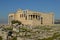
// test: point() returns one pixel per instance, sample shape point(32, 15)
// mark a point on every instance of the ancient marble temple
point(28, 17)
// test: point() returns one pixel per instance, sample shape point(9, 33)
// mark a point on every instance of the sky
point(7, 6)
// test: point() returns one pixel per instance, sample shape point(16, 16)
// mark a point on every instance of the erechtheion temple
point(28, 17)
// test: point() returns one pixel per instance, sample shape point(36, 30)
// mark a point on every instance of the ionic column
point(36, 16)
point(27, 17)
point(39, 18)
point(31, 17)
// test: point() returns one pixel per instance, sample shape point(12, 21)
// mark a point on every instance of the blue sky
point(7, 6)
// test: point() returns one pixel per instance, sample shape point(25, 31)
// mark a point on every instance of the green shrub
point(14, 38)
point(0, 38)
point(16, 21)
